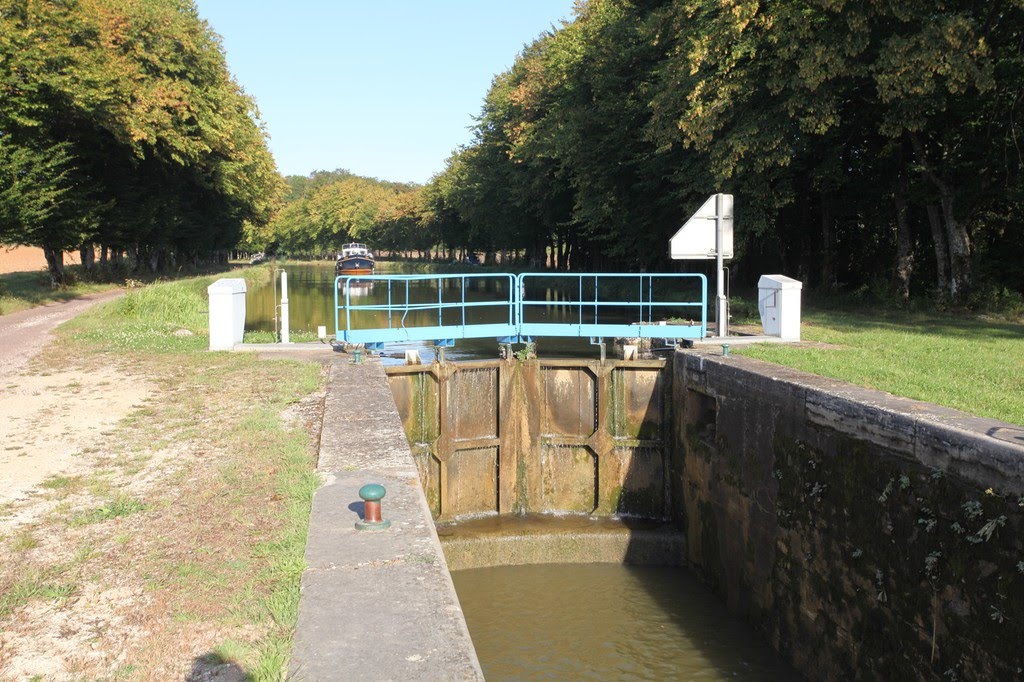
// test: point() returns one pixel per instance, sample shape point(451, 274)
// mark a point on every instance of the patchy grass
point(24, 541)
point(210, 484)
point(959, 361)
point(299, 336)
point(34, 587)
point(116, 508)
point(63, 483)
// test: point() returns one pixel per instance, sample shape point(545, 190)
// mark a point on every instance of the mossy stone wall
point(868, 537)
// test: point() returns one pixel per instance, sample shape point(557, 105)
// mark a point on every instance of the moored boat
point(355, 259)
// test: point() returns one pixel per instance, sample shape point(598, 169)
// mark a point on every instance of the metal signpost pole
point(721, 314)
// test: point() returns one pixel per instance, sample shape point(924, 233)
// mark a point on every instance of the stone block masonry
point(868, 536)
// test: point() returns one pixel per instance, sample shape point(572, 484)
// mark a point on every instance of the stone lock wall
point(869, 537)
point(549, 436)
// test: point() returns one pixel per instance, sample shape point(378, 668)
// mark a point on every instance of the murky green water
point(311, 303)
point(607, 622)
point(310, 299)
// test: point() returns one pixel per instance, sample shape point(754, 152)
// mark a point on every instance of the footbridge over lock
point(514, 308)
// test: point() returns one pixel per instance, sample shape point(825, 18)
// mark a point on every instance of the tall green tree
point(161, 153)
point(866, 143)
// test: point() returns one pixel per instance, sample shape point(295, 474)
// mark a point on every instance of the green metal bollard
point(372, 493)
point(357, 356)
point(725, 350)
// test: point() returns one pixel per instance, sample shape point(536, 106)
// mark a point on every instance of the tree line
point(326, 209)
point(866, 144)
point(122, 132)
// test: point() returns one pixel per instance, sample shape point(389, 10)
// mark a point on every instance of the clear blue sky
point(383, 88)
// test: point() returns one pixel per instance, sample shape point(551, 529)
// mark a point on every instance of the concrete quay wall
point(375, 605)
point(868, 536)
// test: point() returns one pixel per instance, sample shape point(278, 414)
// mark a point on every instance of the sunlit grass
point(962, 362)
point(38, 586)
point(165, 317)
point(21, 290)
point(115, 508)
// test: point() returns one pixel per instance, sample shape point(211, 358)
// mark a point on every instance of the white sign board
point(696, 239)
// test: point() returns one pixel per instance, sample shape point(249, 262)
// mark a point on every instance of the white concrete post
point(227, 313)
point(284, 308)
point(778, 301)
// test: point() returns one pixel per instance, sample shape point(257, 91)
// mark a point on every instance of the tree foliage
point(141, 139)
point(329, 208)
point(866, 143)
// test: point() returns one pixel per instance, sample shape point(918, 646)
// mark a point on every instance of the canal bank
point(866, 535)
point(862, 534)
point(374, 605)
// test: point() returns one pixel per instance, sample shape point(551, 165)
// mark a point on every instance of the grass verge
point(188, 534)
point(959, 361)
point(22, 290)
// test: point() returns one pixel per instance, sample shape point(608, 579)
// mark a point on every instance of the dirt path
point(24, 333)
point(48, 419)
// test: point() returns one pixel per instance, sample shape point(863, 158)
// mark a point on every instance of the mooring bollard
point(372, 493)
point(725, 350)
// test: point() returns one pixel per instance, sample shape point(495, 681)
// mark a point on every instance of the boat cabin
point(354, 249)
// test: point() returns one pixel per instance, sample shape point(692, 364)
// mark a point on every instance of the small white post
point(227, 313)
point(284, 307)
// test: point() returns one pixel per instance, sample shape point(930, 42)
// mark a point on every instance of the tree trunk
point(88, 255)
point(959, 248)
point(103, 256)
point(904, 247)
point(941, 252)
point(828, 245)
point(957, 239)
point(55, 265)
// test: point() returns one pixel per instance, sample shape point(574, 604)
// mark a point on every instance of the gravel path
point(50, 416)
point(24, 333)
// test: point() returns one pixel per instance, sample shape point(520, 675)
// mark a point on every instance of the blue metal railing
point(623, 312)
point(410, 317)
point(604, 305)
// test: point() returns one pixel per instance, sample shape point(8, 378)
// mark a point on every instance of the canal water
point(311, 304)
point(607, 622)
point(561, 621)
